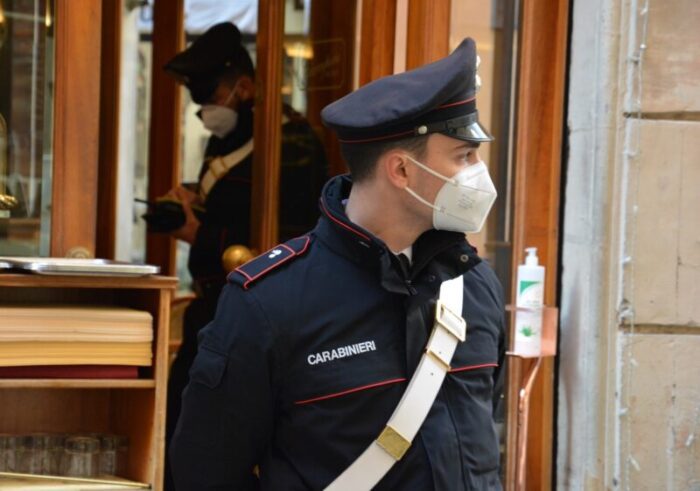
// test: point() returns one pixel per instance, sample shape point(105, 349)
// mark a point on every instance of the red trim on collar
point(345, 226)
point(350, 391)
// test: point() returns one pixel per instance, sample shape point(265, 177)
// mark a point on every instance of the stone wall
point(629, 405)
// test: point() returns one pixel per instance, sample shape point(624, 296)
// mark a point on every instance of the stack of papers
point(74, 335)
point(29, 482)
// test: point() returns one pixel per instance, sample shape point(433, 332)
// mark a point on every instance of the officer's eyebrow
point(467, 145)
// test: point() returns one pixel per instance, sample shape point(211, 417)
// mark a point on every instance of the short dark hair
point(362, 157)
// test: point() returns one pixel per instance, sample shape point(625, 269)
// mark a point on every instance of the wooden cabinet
point(135, 408)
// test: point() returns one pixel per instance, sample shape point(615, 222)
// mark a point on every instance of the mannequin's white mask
point(219, 118)
point(464, 201)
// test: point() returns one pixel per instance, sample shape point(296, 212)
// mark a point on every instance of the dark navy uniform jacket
point(227, 217)
point(310, 351)
point(227, 221)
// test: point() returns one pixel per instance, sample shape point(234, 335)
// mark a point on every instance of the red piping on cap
point(379, 138)
point(410, 132)
point(465, 101)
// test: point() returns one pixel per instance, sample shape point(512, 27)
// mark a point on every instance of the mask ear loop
point(430, 171)
point(423, 200)
point(232, 93)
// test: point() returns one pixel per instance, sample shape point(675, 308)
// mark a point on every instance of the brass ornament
point(7, 202)
point(79, 252)
point(3, 25)
point(235, 256)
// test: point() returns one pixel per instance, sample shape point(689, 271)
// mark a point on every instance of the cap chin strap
point(449, 329)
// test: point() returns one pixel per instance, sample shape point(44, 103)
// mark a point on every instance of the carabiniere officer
point(364, 354)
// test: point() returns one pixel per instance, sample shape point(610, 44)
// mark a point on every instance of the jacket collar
point(453, 254)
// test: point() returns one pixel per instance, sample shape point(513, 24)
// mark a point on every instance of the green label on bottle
point(524, 285)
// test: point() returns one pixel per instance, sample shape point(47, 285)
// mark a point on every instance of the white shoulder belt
point(393, 442)
point(219, 166)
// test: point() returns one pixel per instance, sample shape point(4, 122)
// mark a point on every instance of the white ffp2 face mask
point(464, 201)
point(220, 119)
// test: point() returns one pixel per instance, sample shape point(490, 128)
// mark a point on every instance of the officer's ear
point(395, 166)
point(246, 87)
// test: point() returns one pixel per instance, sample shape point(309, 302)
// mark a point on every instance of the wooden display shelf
point(55, 281)
point(131, 407)
point(68, 383)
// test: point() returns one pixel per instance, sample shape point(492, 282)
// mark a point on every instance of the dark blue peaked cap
point(210, 55)
point(435, 98)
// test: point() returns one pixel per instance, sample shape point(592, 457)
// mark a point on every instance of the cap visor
point(472, 132)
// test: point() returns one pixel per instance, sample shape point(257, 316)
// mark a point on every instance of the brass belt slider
point(217, 167)
point(393, 442)
point(450, 321)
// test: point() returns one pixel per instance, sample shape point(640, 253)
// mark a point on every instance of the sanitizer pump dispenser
point(529, 300)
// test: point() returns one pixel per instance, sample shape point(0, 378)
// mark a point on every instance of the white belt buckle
point(450, 321)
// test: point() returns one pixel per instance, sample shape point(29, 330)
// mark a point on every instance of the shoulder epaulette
point(281, 254)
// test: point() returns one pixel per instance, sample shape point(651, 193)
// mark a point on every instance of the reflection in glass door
point(494, 25)
point(26, 125)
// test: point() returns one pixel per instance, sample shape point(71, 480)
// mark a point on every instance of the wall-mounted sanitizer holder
point(536, 340)
point(544, 332)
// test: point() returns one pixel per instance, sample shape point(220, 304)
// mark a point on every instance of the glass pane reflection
point(26, 126)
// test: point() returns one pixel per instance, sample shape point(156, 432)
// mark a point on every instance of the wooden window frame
point(538, 160)
point(267, 125)
point(166, 112)
point(75, 127)
point(110, 70)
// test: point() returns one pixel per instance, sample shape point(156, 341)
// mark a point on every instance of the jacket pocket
point(208, 367)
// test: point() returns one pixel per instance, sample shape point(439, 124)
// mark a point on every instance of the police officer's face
point(231, 93)
point(446, 156)
point(225, 95)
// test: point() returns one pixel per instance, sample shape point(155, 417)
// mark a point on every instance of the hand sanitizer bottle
point(530, 295)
